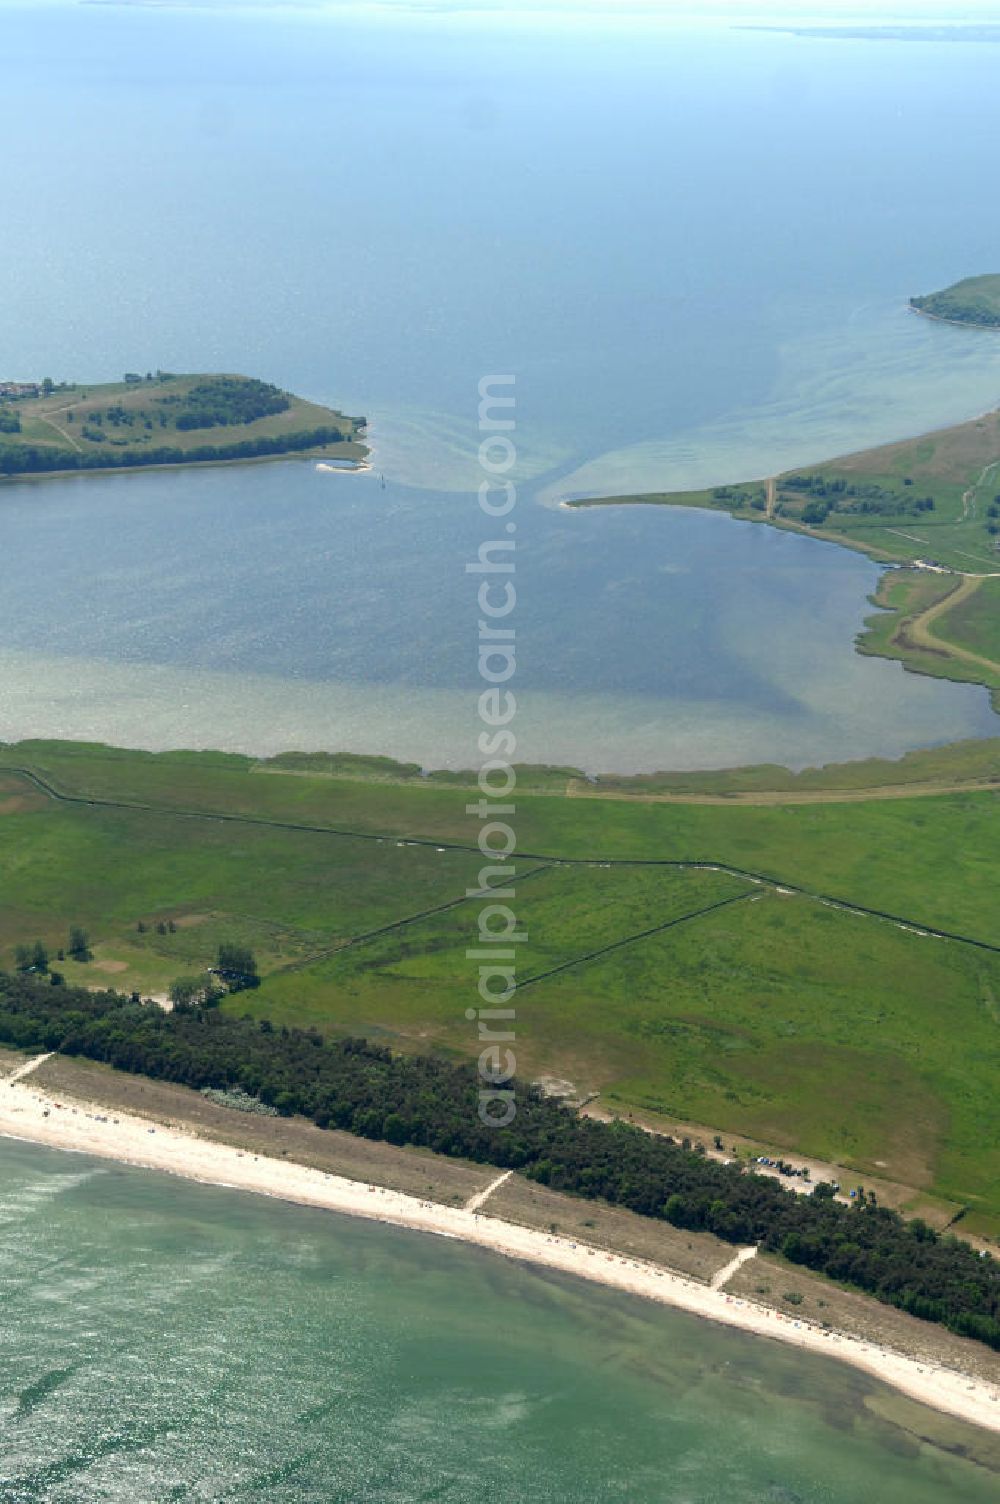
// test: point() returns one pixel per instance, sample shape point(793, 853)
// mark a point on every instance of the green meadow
point(932, 860)
point(975, 623)
point(698, 994)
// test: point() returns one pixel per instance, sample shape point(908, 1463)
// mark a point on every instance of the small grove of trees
point(741, 496)
point(836, 494)
point(949, 305)
point(196, 992)
point(226, 400)
point(36, 957)
point(32, 957)
point(237, 966)
point(79, 944)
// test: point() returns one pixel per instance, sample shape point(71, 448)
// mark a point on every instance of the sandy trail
point(26, 1069)
point(481, 1197)
point(577, 789)
point(29, 1114)
point(918, 627)
point(62, 432)
point(722, 1276)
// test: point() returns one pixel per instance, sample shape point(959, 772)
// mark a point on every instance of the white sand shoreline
point(28, 1114)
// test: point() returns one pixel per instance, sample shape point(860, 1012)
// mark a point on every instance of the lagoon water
point(377, 211)
point(277, 607)
point(164, 1341)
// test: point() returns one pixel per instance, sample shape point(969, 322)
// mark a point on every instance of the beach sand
point(61, 1123)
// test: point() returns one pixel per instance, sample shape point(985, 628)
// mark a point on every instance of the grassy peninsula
point(974, 300)
point(930, 504)
point(163, 419)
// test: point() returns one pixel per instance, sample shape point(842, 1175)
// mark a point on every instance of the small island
point(161, 418)
point(976, 300)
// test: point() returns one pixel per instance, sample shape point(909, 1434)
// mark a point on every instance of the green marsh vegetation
point(667, 987)
point(974, 623)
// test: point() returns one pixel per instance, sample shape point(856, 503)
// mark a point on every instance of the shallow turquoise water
point(163, 1341)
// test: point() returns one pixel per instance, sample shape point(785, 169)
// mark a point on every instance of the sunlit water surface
point(162, 1341)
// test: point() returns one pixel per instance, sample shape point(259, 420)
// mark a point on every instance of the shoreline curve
point(32, 1116)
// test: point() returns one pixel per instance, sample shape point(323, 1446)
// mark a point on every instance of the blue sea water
point(692, 248)
point(163, 1341)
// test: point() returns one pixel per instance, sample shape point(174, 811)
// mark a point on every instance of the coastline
point(350, 465)
point(939, 318)
point(31, 1115)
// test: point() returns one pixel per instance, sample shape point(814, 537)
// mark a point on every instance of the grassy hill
point(164, 419)
point(974, 300)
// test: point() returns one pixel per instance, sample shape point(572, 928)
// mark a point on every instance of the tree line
point(34, 459)
point(362, 1087)
point(945, 306)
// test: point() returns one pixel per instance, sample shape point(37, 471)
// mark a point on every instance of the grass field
point(842, 1035)
point(932, 860)
point(123, 419)
point(917, 625)
point(774, 1016)
point(940, 768)
point(974, 624)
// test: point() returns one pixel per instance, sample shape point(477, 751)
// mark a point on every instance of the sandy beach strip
point(30, 1114)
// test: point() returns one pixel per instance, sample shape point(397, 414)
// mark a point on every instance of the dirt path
point(481, 1197)
point(63, 434)
point(722, 1276)
point(918, 631)
point(26, 1069)
point(969, 497)
point(577, 789)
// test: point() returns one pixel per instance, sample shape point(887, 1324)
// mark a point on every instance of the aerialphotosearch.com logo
point(498, 935)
